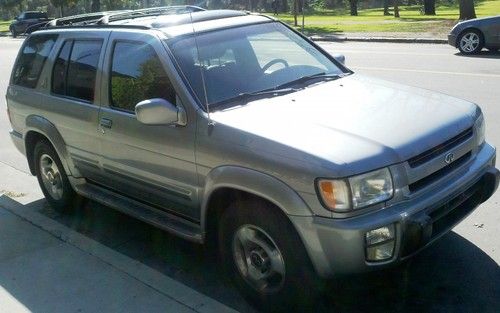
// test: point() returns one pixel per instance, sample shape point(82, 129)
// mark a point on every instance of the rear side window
point(75, 69)
point(31, 60)
point(136, 75)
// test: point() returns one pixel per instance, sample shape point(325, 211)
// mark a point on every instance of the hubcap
point(469, 42)
point(258, 259)
point(51, 177)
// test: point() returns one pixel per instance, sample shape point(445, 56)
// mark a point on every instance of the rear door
point(71, 99)
point(153, 164)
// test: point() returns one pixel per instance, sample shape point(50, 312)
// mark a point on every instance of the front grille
point(440, 149)
point(421, 183)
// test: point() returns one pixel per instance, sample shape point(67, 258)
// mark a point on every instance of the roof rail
point(103, 18)
point(168, 10)
point(83, 19)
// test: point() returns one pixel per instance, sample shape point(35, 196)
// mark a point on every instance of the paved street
point(459, 273)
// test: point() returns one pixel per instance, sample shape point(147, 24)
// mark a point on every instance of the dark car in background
point(472, 36)
point(26, 22)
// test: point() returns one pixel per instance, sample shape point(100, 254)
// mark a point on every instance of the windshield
point(247, 60)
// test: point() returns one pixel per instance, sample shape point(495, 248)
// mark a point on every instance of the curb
point(332, 38)
point(165, 285)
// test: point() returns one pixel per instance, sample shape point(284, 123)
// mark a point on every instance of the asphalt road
point(459, 273)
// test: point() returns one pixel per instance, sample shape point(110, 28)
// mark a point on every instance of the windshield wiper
point(305, 79)
point(251, 95)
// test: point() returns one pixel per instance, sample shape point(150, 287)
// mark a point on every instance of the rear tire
point(470, 41)
point(265, 257)
point(52, 177)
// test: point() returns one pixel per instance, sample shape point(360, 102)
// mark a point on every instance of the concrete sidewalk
point(47, 267)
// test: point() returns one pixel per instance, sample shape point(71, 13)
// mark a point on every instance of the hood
point(481, 19)
point(476, 22)
point(363, 122)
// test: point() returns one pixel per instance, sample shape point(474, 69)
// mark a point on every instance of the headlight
point(479, 129)
point(356, 192)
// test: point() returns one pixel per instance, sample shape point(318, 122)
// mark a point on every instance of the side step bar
point(163, 220)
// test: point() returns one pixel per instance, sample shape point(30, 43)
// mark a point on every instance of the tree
point(429, 7)
point(353, 5)
point(396, 8)
point(386, 7)
point(467, 10)
point(96, 6)
point(60, 5)
point(297, 8)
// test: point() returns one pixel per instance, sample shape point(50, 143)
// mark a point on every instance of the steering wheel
point(272, 62)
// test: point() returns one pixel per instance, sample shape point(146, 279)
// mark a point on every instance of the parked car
point(234, 130)
point(472, 36)
point(26, 20)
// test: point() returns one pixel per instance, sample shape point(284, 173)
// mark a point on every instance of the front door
point(152, 164)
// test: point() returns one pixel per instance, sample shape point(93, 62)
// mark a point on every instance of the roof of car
point(172, 24)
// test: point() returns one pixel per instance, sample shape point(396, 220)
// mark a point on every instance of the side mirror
point(339, 57)
point(16, 18)
point(159, 111)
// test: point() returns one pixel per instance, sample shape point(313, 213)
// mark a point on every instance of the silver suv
point(231, 128)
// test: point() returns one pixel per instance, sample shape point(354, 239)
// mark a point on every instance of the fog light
point(379, 235)
point(380, 243)
point(380, 252)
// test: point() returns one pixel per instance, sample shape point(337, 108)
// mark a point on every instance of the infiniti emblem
point(448, 158)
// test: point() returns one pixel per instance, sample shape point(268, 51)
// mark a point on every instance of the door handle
point(106, 122)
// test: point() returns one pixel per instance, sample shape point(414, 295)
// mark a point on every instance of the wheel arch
point(229, 183)
point(38, 128)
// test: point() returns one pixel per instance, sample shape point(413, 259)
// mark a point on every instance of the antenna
point(202, 72)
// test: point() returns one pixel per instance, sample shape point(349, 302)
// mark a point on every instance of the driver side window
point(137, 74)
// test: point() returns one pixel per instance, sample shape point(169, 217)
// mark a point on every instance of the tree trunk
point(386, 7)
point(96, 6)
point(396, 8)
point(353, 4)
point(467, 10)
point(295, 9)
point(429, 7)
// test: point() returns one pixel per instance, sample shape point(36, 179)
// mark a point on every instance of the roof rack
point(168, 10)
point(83, 19)
point(104, 18)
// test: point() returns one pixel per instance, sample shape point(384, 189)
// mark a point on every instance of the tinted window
point(82, 69)
point(137, 74)
point(32, 15)
point(32, 59)
point(60, 69)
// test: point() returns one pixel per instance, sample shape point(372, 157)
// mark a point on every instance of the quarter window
point(32, 59)
point(136, 75)
point(75, 69)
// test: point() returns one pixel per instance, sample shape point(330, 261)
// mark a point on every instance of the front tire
point(52, 177)
point(470, 41)
point(13, 32)
point(265, 257)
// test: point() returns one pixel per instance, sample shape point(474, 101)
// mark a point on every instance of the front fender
point(254, 182)
point(43, 126)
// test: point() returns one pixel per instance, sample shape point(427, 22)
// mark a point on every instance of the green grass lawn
point(373, 20)
point(4, 26)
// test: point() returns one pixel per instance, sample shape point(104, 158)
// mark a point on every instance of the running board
point(158, 218)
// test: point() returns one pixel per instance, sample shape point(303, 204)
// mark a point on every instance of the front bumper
point(452, 40)
point(337, 246)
